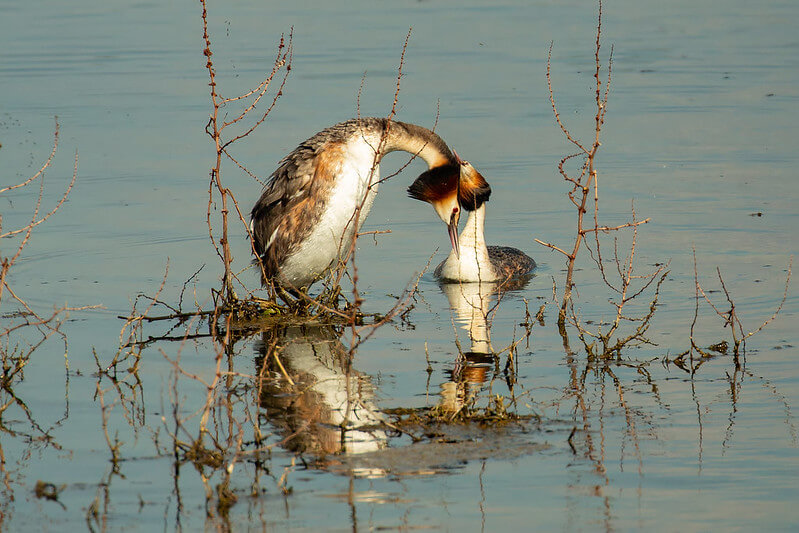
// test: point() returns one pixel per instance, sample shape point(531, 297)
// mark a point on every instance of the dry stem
point(587, 179)
point(216, 127)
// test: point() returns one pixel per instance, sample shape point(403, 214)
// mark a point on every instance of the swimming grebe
point(304, 220)
point(474, 261)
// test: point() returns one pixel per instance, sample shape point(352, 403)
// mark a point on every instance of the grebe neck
point(474, 263)
point(474, 252)
point(473, 235)
point(416, 140)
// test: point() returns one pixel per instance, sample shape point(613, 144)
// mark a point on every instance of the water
point(699, 133)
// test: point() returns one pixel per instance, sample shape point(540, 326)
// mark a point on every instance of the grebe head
point(473, 189)
point(450, 188)
point(439, 187)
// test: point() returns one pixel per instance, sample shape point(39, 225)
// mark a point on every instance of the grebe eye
point(454, 210)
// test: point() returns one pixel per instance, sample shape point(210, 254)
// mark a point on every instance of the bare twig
point(730, 317)
point(587, 177)
point(216, 128)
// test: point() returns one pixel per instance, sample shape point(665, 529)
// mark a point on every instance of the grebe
point(473, 261)
point(304, 220)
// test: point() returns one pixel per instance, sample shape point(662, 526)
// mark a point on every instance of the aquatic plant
point(25, 329)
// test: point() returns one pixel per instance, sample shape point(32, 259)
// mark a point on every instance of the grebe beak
point(453, 233)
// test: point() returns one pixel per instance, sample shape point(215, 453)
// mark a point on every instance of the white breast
point(473, 265)
point(331, 238)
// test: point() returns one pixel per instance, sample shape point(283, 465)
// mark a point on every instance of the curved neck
point(418, 141)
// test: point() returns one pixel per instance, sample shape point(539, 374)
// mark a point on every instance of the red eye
point(454, 209)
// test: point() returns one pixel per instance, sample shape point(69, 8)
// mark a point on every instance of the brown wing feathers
point(292, 202)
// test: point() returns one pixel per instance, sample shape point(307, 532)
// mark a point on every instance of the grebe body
point(307, 215)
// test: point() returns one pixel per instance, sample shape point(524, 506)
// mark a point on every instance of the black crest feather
point(435, 184)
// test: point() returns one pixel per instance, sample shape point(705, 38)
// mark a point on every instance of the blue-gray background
point(700, 132)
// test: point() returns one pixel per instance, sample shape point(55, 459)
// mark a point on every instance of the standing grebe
point(304, 221)
point(474, 261)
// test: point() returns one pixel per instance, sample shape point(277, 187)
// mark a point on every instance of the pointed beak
point(453, 234)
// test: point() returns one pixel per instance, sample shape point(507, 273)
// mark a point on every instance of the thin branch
point(554, 107)
point(43, 167)
point(782, 302)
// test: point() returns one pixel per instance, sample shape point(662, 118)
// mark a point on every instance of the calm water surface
point(700, 133)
